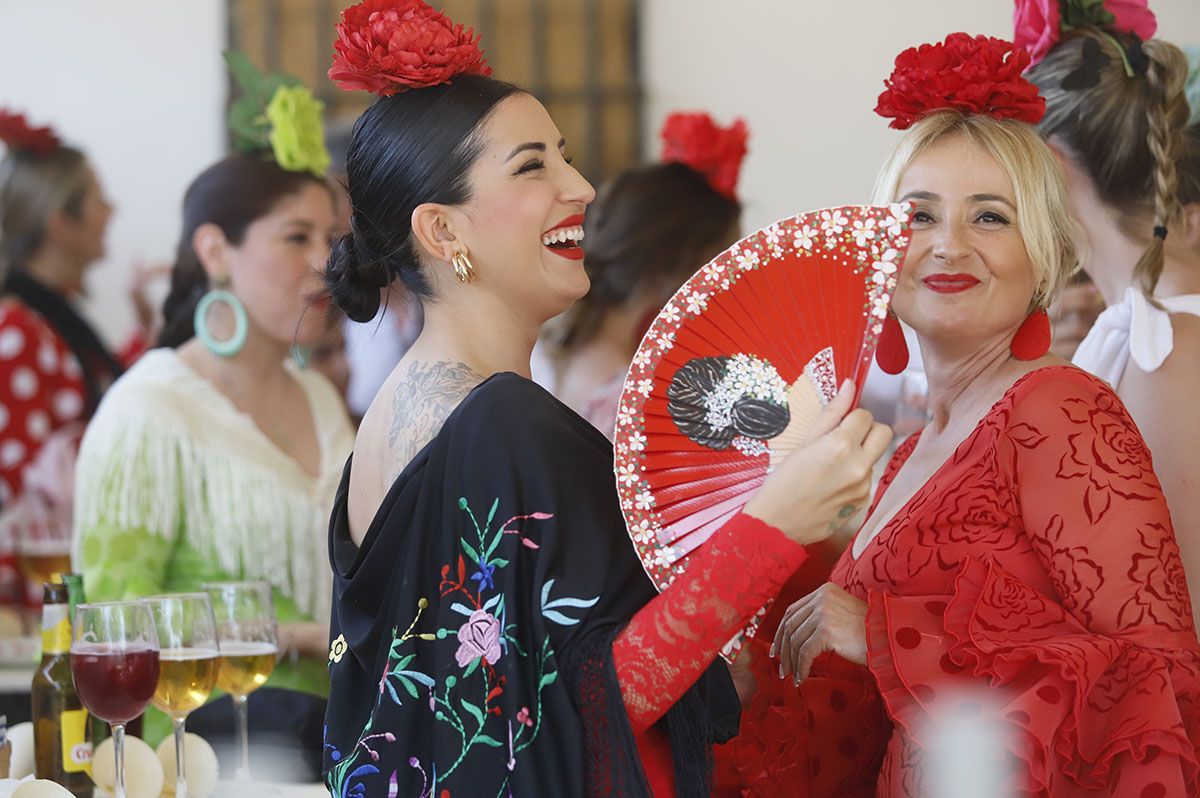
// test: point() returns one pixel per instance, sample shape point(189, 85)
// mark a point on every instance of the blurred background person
point(54, 368)
point(648, 231)
point(216, 457)
point(1116, 115)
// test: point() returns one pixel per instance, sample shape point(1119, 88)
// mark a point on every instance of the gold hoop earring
point(463, 268)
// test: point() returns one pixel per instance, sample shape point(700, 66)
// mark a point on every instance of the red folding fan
point(736, 367)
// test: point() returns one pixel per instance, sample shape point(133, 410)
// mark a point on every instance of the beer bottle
point(62, 747)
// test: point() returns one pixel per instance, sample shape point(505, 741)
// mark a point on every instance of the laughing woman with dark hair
point(493, 630)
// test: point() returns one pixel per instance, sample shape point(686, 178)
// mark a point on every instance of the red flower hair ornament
point(696, 140)
point(390, 46)
point(972, 75)
point(19, 136)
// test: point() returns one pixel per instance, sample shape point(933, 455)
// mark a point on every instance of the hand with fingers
point(823, 483)
point(827, 619)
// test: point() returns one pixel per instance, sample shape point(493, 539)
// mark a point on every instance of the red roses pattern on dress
point(1039, 559)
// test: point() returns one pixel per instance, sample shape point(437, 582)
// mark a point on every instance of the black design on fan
point(688, 399)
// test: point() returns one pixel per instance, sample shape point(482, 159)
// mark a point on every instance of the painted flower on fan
point(833, 223)
point(806, 237)
point(670, 313)
point(389, 46)
point(971, 75)
point(637, 442)
point(773, 235)
point(748, 259)
point(1038, 25)
point(864, 231)
point(20, 136)
point(697, 301)
point(643, 532)
point(297, 135)
point(644, 501)
point(627, 474)
point(696, 140)
point(665, 342)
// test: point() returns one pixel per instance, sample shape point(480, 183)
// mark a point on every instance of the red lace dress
point(1036, 569)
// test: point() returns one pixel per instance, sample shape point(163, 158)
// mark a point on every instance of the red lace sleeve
point(1095, 688)
point(675, 637)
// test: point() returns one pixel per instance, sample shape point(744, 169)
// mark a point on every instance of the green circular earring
point(235, 343)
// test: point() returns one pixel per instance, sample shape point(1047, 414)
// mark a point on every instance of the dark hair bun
point(689, 402)
point(351, 286)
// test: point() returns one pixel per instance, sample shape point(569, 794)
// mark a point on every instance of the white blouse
point(1132, 328)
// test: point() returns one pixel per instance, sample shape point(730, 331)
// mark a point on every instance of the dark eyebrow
point(991, 198)
point(921, 195)
point(531, 145)
point(305, 223)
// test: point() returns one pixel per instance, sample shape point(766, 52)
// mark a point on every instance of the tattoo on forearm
point(424, 398)
point(844, 515)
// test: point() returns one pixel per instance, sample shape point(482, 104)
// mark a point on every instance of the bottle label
point(56, 629)
point(76, 748)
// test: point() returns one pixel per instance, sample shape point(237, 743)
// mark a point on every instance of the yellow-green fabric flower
point(297, 136)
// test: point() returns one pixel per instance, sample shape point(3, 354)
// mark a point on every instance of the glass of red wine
point(114, 662)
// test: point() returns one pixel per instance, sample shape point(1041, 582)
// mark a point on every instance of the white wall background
point(140, 85)
point(805, 75)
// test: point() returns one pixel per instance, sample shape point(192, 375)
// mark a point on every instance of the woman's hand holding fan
point(739, 368)
point(826, 480)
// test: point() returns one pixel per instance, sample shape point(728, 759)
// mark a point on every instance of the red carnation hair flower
point(974, 75)
point(390, 46)
point(19, 135)
point(695, 140)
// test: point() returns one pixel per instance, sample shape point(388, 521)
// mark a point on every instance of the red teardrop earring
point(892, 352)
point(1033, 336)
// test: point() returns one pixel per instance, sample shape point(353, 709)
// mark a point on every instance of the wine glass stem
point(181, 790)
point(239, 701)
point(118, 734)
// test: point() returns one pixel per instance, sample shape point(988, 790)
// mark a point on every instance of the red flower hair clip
point(716, 152)
point(974, 75)
point(20, 136)
point(390, 46)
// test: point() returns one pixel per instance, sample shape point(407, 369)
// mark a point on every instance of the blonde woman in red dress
point(1018, 572)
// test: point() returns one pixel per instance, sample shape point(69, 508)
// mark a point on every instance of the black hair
point(687, 404)
point(232, 194)
point(405, 150)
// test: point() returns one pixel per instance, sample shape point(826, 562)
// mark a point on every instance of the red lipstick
point(950, 283)
point(564, 238)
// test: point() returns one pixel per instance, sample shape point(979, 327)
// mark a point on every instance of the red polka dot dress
point(41, 390)
point(1032, 591)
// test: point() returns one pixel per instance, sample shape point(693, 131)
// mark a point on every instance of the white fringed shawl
point(169, 453)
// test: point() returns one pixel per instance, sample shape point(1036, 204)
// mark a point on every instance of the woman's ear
point(213, 251)
point(1191, 225)
point(433, 226)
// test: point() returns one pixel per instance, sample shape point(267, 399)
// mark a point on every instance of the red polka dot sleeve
point(41, 391)
point(1093, 683)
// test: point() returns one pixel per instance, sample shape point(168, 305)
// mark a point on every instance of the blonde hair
point(1127, 132)
point(1042, 217)
point(32, 189)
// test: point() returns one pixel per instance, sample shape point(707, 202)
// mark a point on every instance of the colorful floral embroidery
point(467, 701)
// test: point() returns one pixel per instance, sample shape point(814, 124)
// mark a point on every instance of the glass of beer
point(246, 631)
point(187, 638)
point(114, 663)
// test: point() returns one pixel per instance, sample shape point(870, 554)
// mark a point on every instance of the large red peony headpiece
point(390, 46)
point(20, 136)
point(974, 75)
point(695, 140)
